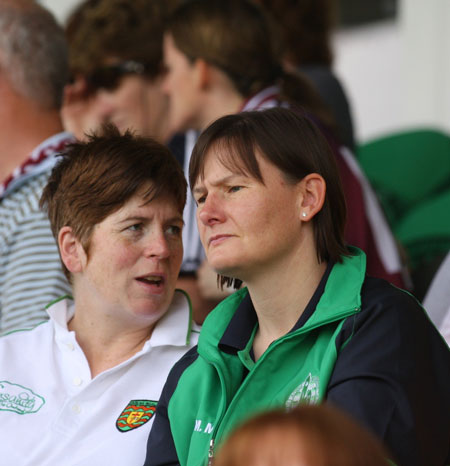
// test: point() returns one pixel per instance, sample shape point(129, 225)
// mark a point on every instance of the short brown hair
point(321, 435)
point(95, 178)
point(121, 29)
point(291, 142)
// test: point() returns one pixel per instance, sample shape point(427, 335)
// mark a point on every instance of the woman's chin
point(228, 270)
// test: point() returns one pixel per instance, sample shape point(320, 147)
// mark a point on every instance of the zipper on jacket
point(211, 452)
point(222, 412)
point(230, 406)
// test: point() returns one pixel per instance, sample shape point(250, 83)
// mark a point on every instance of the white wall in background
point(397, 73)
point(368, 61)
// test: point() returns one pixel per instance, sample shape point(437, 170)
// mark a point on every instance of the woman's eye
point(200, 200)
point(235, 189)
point(135, 227)
point(174, 230)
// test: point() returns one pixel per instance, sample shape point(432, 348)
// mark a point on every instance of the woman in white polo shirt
point(81, 388)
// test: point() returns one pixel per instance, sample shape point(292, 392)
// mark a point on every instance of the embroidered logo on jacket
point(136, 414)
point(307, 392)
point(18, 399)
point(198, 427)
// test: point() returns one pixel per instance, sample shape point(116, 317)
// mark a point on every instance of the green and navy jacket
point(360, 343)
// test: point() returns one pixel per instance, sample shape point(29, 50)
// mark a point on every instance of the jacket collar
point(338, 295)
point(243, 322)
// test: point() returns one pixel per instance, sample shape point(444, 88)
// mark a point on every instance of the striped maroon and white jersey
point(30, 269)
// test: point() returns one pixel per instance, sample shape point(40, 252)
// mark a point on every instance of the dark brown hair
point(293, 144)
point(95, 178)
point(238, 37)
point(305, 28)
point(320, 435)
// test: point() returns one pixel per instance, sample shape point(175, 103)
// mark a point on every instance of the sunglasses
point(108, 77)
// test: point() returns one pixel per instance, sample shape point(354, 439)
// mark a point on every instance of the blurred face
point(133, 262)
point(114, 93)
point(137, 104)
point(181, 86)
point(247, 227)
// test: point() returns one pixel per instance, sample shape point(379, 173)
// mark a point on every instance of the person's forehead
point(145, 196)
point(235, 160)
point(228, 156)
point(216, 167)
point(222, 163)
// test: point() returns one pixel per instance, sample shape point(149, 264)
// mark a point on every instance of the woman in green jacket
point(309, 325)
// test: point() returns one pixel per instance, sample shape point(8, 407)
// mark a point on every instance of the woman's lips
point(218, 239)
point(153, 282)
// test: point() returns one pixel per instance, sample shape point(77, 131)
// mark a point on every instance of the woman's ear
point(203, 73)
point(313, 189)
point(71, 250)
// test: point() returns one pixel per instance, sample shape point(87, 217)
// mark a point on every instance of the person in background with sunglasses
point(115, 58)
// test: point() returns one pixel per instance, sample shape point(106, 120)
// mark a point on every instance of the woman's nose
point(157, 246)
point(210, 211)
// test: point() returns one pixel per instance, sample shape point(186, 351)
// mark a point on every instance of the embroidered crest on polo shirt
point(307, 392)
point(136, 414)
point(19, 399)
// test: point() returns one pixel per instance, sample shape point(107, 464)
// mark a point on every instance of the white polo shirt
point(53, 413)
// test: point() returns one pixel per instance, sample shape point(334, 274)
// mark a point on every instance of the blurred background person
point(308, 435)
point(33, 72)
point(305, 28)
point(82, 388)
point(221, 58)
point(115, 51)
point(115, 58)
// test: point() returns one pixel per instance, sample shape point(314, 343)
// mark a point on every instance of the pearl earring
point(304, 214)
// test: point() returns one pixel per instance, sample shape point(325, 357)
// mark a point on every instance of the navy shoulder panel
point(393, 374)
point(160, 446)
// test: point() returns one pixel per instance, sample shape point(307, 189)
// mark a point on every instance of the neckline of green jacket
point(341, 298)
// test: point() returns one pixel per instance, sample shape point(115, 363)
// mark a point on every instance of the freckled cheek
point(176, 254)
point(125, 256)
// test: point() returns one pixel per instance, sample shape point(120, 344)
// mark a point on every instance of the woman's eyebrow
point(219, 182)
point(139, 218)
